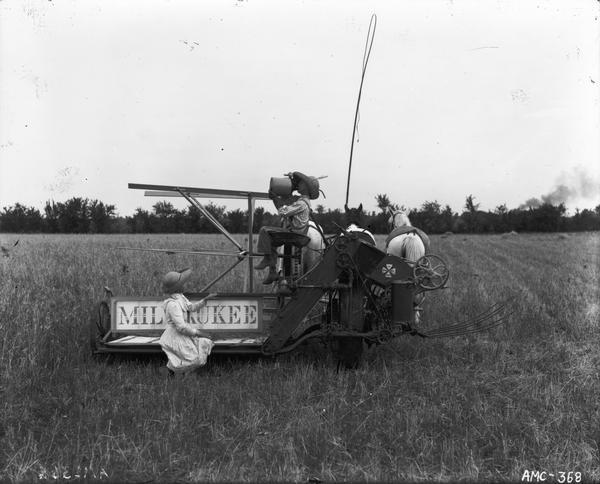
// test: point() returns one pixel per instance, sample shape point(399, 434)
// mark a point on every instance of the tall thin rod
point(366, 55)
point(242, 254)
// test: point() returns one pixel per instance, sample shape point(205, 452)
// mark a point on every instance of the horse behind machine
point(355, 223)
point(405, 240)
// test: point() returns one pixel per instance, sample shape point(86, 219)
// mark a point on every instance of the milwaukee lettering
point(244, 314)
point(217, 314)
point(140, 315)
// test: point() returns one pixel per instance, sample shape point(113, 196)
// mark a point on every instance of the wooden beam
point(172, 190)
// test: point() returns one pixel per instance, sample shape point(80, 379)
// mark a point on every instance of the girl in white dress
point(186, 346)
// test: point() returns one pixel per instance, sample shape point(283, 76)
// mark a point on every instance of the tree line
point(82, 215)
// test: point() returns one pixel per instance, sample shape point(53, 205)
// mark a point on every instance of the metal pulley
point(431, 272)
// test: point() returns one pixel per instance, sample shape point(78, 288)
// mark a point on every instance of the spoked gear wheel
point(344, 260)
point(431, 272)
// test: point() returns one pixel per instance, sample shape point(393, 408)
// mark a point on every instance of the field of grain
point(488, 407)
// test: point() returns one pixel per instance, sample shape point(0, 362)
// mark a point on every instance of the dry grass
point(480, 408)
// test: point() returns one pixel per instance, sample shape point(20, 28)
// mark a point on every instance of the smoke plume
point(568, 186)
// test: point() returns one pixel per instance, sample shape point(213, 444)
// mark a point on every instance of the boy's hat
point(311, 182)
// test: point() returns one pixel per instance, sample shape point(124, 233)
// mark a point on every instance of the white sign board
point(129, 314)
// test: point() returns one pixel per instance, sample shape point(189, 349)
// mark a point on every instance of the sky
point(498, 99)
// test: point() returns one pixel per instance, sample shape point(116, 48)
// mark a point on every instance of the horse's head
point(354, 215)
point(398, 218)
point(355, 223)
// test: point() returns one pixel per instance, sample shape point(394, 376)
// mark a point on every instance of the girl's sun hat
point(173, 281)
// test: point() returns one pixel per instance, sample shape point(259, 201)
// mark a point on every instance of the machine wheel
point(100, 326)
point(431, 272)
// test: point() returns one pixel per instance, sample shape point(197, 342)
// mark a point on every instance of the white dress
point(184, 350)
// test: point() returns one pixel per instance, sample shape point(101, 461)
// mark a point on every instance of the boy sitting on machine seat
point(295, 212)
